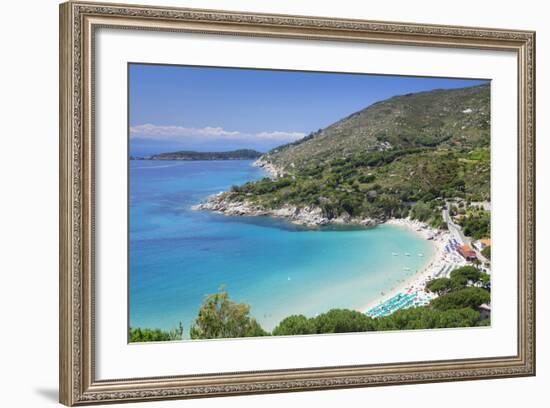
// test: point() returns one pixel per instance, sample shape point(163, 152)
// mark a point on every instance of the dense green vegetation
point(448, 119)
point(240, 154)
point(137, 335)
point(476, 223)
point(295, 324)
point(377, 185)
point(440, 286)
point(486, 252)
point(463, 298)
point(220, 317)
point(399, 157)
point(460, 278)
point(456, 306)
point(428, 318)
point(342, 321)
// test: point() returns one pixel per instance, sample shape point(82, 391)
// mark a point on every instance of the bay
point(178, 255)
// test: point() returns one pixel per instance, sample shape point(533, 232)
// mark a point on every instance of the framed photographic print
point(256, 203)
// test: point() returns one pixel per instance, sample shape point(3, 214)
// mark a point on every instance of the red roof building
point(467, 252)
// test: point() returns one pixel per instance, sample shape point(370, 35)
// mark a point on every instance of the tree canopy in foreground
point(459, 298)
point(220, 317)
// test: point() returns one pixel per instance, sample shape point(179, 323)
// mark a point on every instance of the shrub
point(468, 297)
point(295, 324)
point(464, 275)
point(342, 321)
point(440, 286)
point(220, 317)
point(421, 211)
point(427, 318)
point(477, 224)
point(139, 335)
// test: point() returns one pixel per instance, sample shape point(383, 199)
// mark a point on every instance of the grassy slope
point(425, 119)
point(377, 162)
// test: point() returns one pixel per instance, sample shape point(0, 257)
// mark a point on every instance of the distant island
point(240, 154)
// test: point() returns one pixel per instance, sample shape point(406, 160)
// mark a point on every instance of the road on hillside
point(454, 229)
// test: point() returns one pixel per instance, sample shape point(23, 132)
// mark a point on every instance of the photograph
point(272, 201)
point(269, 202)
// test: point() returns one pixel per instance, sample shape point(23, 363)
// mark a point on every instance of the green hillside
point(407, 153)
point(456, 118)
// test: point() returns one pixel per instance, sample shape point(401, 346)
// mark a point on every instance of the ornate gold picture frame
point(78, 24)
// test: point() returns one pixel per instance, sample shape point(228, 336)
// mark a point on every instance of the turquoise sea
point(178, 255)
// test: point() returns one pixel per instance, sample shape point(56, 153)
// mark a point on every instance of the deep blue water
point(178, 255)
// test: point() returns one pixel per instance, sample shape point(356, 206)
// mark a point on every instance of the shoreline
point(270, 168)
point(416, 283)
point(439, 264)
point(310, 216)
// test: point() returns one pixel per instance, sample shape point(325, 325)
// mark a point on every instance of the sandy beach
point(439, 261)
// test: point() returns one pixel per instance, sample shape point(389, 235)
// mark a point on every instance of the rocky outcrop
point(311, 216)
point(308, 216)
point(273, 170)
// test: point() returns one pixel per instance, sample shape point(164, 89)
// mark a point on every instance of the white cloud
point(150, 131)
point(181, 134)
point(280, 135)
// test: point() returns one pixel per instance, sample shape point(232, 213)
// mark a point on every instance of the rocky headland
point(310, 216)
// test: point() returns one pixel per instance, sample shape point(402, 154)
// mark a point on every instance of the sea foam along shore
point(439, 261)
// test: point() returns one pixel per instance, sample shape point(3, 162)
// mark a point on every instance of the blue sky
point(219, 109)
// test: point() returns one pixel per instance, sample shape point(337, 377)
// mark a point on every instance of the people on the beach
point(443, 261)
